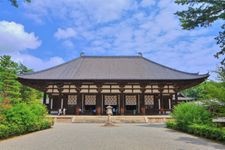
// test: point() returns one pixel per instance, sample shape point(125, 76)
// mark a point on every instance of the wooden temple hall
point(132, 85)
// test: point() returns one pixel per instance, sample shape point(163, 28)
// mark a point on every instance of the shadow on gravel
point(200, 141)
point(171, 130)
point(153, 125)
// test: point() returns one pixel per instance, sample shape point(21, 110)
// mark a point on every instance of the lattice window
point(90, 99)
point(72, 99)
point(149, 100)
point(110, 99)
point(131, 100)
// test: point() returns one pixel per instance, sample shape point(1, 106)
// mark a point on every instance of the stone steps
point(89, 119)
point(128, 119)
point(115, 119)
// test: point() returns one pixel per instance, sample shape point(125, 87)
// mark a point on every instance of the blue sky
point(46, 33)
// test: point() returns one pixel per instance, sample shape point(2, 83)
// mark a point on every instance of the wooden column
point(122, 103)
point(79, 101)
point(60, 89)
point(161, 99)
point(176, 98)
point(50, 102)
point(175, 95)
point(142, 99)
point(99, 100)
point(44, 98)
point(170, 103)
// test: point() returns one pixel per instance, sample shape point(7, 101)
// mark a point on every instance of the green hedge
point(206, 131)
point(171, 124)
point(15, 129)
point(195, 119)
point(23, 118)
point(186, 114)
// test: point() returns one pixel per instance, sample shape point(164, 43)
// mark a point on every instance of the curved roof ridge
point(173, 68)
point(111, 67)
point(110, 56)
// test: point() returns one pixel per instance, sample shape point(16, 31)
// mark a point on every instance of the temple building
point(132, 85)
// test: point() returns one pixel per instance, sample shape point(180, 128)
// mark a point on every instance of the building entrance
point(111, 100)
point(89, 105)
point(131, 107)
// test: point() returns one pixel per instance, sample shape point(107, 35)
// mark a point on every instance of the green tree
point(221, 73)
point(203, 13)
point(15, 2)
point(207, 90)
point(211, 94)
point(197, 92)
point(28, 94)
point(9, 86)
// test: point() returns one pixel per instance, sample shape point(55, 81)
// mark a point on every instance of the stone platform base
point(115, 119)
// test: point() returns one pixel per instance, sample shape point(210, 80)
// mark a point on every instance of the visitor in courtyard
point(64, 111)
point(59, 112)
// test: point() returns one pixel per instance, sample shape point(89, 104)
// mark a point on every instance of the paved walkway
point(69, 136)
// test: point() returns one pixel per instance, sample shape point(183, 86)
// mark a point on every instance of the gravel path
point(68, 136)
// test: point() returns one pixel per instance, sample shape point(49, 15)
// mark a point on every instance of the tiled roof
point(111, 68)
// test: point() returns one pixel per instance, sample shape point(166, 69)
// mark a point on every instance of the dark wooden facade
point(88, 93)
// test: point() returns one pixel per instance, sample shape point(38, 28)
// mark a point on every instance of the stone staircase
point(115, 119)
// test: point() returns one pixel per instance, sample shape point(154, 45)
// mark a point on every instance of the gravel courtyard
point(81, 136)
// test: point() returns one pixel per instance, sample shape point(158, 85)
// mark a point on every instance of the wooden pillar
point(175, 95)
point(171, 101)
point(79, 104)
point(60, 89)
point(161, 99)
point(142, 103)
point(122, 103)
point(142, 99)
point(50, 102)
point(99, 100)
point(176, 98)
point(79, 101)
point(44, 98)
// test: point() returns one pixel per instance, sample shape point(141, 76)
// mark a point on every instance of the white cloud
point(68, 43)
point(147, 3)
point(96, 10)
point(124, 27)
point(13, 37)
point(36, 63)
point(63, 34)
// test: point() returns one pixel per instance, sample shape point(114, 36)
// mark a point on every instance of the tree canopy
point(221, 73)
point(15, 2)
point(10, 88)
point(203, 13)
point(207, 90)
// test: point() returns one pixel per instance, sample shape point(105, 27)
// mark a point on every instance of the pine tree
point(9, 86)
point(203, 13)
point(28, 94)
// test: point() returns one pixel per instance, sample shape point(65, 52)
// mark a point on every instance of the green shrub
point(207, 131)
point(186, 114)
point(171, 124)
point(4, 131)
point(20, 114)
point(45, 124)
point(38, 109)
point(24, 118)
